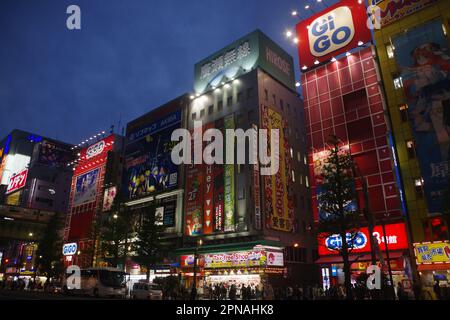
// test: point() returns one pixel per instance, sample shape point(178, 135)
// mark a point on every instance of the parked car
point(147, 291)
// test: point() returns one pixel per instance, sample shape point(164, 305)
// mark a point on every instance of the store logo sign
point(69, 249)
point(331, 31)
point(95, 149)
point(17, 181)
point(354, 241)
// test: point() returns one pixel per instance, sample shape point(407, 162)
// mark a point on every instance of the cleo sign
point(17, 181)
point(332, 32)
point(395, 235)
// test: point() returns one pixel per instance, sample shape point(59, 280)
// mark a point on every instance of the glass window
point(398, 83)
point(202, 113)
point(210, 109)
point(220, 105)
point(390, 51)
point(229, 101)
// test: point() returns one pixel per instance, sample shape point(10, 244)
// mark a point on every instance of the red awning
point(433, 267)
point(362, 257)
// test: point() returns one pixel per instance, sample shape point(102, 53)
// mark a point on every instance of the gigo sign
point(17, 181)
point(331, 32)
point(69, 249)
point(95, 149)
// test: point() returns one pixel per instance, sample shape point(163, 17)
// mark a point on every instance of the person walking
point(437, 290)
point(401, 293)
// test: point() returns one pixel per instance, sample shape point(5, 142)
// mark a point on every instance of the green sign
point(242, 56)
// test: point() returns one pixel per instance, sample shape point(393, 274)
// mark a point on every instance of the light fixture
point(304, 67)
point(191, 97)
point(295, 40)
point(333, 59)
point(197, 95)
point(360, 43)
point(115, 216)
point(307, 7)
point(294, 13)
point(316, 62)
point(347, 54)
point(307, 27)
point(288, 33)
point(30, 234)
point(297, 84)
point(295, 245)
point(359, 1)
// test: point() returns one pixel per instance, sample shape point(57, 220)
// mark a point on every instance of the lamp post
point(194, 285)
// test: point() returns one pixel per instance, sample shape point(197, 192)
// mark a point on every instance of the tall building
point(242, 226)
point(343, 97)
point(97, 173)
point(412, 44)
point(152, 183)
point(34, 186)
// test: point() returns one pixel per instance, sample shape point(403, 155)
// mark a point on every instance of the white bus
point(99, 282)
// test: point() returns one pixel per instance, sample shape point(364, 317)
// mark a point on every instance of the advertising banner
point(194, 194)
point(86, 188)
point(208, 215)
point(219, 189)
point(332, 31)
point(235, 259)
point(148, 163)
point(393, 10)
point(432, 252)
point(423, 58)
point(108, 198)
point(256, 185)
point(395, 234)
point(229, 193)
point(17, 181)
point(54, 155)
point(275, 259)
point(278, 208)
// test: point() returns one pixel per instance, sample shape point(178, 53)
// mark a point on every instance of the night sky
point(128, 58)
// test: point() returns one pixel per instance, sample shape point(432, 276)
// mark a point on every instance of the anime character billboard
point(148, 164)
point(86, 187)
point(423, 58)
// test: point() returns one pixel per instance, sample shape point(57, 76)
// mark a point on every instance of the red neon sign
point(17, 181)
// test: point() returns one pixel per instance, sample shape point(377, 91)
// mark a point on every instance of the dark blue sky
point(128, 57)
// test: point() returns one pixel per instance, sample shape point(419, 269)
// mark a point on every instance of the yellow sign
point(432, 252)
point(393, 10)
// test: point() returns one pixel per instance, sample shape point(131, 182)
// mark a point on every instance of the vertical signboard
point(208, 207)
point(219, 189)
point(256, 183)
point(229, 224)
point(424, 60)
point(278, 208)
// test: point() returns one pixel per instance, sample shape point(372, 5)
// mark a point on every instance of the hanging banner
point(229, 184)
point(208, 207)
point(194, 196)
point(256, 183)
point(424, 60)
point(219, 189)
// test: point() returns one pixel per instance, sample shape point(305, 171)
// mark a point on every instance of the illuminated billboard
point(331, 32)
point(424, 61)
point(393, 10)
point(17, 181)
point(148, 164)
point(86, 187)
point(53, 154)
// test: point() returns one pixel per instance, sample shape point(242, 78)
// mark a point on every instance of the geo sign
point(95, 149)
point(395, 235)
point(69, 249)
point(17, 181)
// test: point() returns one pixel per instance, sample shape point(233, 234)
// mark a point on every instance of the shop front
point(433, 264)
point(255, 267)
point(394, 255)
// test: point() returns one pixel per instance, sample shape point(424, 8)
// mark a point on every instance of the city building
point(35, 186)
point(343, 97)
point(97, 173)
point(240, 226)
point(152, 183)
point(412, 41)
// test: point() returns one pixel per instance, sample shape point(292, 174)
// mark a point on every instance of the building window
point(194, 116)
point(229, 101)
point(274, 97)
point(281, 104)
point(390, 51)
point(239, 96)
point(292, 152)
point(220, 105)
point(301, 179)
point(202, 113)
point(210, 109)
point(293, 175)
point(411, 149)
point(304, 160)
point(299, 157)
point(249, 93)
point(398, 83)
point(418, 185)
point(289, 107)
point(307, 181)
point(266, 95)
point(403, 109)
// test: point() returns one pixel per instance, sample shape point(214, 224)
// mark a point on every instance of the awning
point(433, 267)
point(362, 257)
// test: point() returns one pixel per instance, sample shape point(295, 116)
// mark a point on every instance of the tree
point(49, 248)
point(337, 198)
point(150, 247)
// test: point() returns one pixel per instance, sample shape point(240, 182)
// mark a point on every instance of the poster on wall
point(423, 58)
point(86, 187)
point(148, 164)
point(278, 205)
point(108, 198)
point(229, 187)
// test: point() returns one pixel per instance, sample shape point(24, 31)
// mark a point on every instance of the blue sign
point(354, 241)
point(156, 126)
point(424, 60)
point(69, 249)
